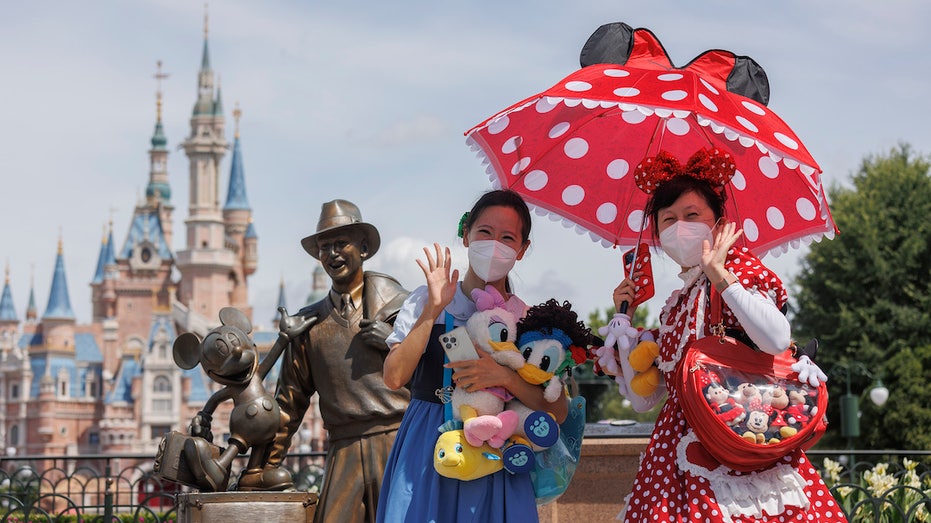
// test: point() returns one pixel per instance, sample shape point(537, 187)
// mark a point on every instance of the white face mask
point(682, 241)
point(491, 260)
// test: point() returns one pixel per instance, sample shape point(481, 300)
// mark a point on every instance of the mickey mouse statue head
point(229, 356)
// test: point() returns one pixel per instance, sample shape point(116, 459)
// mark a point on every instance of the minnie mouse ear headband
point(710, 165)
point(708, 377)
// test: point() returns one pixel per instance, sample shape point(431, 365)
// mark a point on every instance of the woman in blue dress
point(496, 231)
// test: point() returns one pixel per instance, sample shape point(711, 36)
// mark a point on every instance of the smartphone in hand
point(458, 345)
point(639, 268)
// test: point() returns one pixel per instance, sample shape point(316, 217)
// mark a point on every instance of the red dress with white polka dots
point(677, 479)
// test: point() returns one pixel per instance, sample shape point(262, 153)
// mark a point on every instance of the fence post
point(108, 496)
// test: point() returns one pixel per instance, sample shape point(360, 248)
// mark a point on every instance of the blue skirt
point(412, 491)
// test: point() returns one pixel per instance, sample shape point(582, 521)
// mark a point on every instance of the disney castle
point(112, 386)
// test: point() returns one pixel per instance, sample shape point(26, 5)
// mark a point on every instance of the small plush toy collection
point(758, 409)
point(491, 429)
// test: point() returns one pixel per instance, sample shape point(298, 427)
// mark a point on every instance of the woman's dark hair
point(667, 194)
point(502, 198)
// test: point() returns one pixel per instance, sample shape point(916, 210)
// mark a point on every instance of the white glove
point(809, 372)
point(619, 337)
point(618, 332)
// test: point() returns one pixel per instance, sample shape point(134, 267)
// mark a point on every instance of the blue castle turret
point(59, 303)
point(7, 311)
point(105, 257)
point(236, 198)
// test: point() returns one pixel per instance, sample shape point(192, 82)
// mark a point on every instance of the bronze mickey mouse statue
point(229, 356)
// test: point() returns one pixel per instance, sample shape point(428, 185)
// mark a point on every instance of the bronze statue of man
point(341, 359)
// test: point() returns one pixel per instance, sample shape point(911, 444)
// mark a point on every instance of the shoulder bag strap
point(448, 376)
point(717, 321)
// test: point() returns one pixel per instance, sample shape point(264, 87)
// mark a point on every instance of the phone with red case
point(643, 267)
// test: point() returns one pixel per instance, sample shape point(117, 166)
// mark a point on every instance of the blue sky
point(368, 101)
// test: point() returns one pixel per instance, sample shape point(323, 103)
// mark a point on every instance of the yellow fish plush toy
point(454, 458)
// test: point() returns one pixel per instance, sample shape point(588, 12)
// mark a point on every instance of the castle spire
point(281, 302)
point(158, 191)
point(236, 192)
point(101, 257)
point(31, 309)
point(158, 137)
point(218, 103)
point(205, 60)
point(59, 304)
point(7, 311)
point(110, 255)
point(107, 255)
point(201, 264)
point(205, 101)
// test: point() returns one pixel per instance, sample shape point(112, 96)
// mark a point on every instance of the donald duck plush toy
point(551, 340)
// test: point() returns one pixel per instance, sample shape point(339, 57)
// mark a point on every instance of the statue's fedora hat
point(341, 214)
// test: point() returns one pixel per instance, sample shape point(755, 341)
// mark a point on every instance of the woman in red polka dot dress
point(678, 480)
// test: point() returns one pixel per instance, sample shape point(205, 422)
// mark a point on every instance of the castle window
point(14, 435)
point(90, 386)
point(63, 383)
point(14, 391)
point(161, 394)
point(160, 430)
point(162, 384)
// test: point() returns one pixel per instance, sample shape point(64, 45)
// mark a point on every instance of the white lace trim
point(695, 294)
point(771, 490)
point(623, 513)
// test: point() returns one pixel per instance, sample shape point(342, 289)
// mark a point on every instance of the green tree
point(601, 394)
point(866, 295)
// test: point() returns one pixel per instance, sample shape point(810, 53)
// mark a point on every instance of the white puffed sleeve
point(761, 320)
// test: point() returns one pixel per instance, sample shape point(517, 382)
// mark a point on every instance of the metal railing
point(108, 488)
point(870, 486)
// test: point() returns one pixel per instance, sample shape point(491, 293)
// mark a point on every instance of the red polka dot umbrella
point(572, 149)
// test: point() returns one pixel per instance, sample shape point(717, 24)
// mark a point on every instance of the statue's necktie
point(346, 308)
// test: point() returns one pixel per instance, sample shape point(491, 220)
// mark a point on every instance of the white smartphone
point(458, 345)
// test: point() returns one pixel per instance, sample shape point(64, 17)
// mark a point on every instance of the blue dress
point(412, 491)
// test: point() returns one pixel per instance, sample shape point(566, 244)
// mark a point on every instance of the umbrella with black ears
point(572, 149)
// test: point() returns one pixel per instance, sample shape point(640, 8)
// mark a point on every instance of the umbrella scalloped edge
point(726, 131)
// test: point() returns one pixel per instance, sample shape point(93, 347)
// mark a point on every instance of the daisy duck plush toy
point(492, 329)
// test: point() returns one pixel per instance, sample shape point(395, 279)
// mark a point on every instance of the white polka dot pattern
point(664, 491)
point(574, 146)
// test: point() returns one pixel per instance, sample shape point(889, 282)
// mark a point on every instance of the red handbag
point(748, 408)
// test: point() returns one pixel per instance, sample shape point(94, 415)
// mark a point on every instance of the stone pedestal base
point(227, 507)
point(604, 476)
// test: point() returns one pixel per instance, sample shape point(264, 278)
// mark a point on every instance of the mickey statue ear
point(186, 350)
point(235, 318)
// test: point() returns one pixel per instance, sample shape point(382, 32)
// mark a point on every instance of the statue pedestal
point(226, 507)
